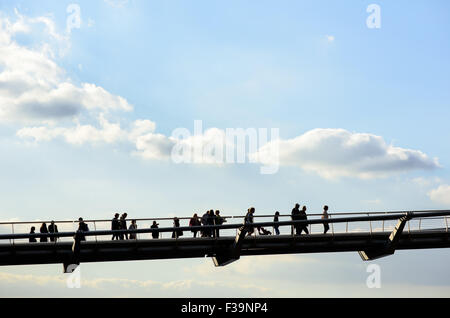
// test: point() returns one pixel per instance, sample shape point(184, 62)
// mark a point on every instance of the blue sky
point(362, 115)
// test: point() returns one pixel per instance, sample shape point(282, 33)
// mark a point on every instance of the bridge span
point(372, 235)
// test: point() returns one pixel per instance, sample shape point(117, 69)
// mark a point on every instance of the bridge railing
point(359, 222)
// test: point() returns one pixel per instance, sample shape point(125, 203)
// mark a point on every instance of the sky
point(92, 94)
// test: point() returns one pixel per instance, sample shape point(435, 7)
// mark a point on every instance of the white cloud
point(78, 135)
point(440, 194)
point(141, 127)
point(330, 38)
point(335, 153)
point(35, 89)
point(210, 144)
point(56, 286)
point(154, 146)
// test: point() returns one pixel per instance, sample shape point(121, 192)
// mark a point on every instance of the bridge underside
point(132, 250)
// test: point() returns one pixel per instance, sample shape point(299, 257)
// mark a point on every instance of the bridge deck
point(128, 250)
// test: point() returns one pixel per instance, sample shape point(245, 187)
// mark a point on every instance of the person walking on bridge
point(52, 228)
point(249, 221)
point(32, 231)
point(133, 226)
point(211, 222)
point(205, 232)
point(325, 216)
point(275, 220)
point(115, 226)
point(82, 227)
point(123, 226)
point(219, 221)
point(43, 230)
point(304, 227)
point(194, 221)
point(155, 234)
point(296, 216)
point(176, 224)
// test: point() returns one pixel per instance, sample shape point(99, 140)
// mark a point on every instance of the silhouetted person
point(52, 228)
point(325, 216)
point(82, 227)
point(304, 227)
point(296, 216)
point(32, 231)
point(205, 232)
point(275, 219)
point(115, 225)
point(176, 233)
point(194, 221)
point(123, 226)
point(219, 221)
point(44, 230)
point(133, 226)
point(155, 234)
point(249, 221)
point(211, 221)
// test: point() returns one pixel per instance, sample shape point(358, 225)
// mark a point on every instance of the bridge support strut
point(74, 261)
point(391, 244)
point(234, 253)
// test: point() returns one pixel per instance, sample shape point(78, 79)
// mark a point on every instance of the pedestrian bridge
point(371, 234)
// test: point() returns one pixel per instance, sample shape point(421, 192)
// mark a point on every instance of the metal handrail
point(411, 215)
point(226, 217)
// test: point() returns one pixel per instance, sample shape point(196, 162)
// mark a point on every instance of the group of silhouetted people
point(200, 225)
point(300, 215)
point(118, 224)
point(53, 228)
point(44, 229)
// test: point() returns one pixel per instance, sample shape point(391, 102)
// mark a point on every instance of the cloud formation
point(441, 194)
point(34, 89)
point(36, 92)
point(56, 286)
point(335, 153)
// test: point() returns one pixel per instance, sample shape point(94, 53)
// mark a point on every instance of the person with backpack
point(82, 227)
point(194, 221)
